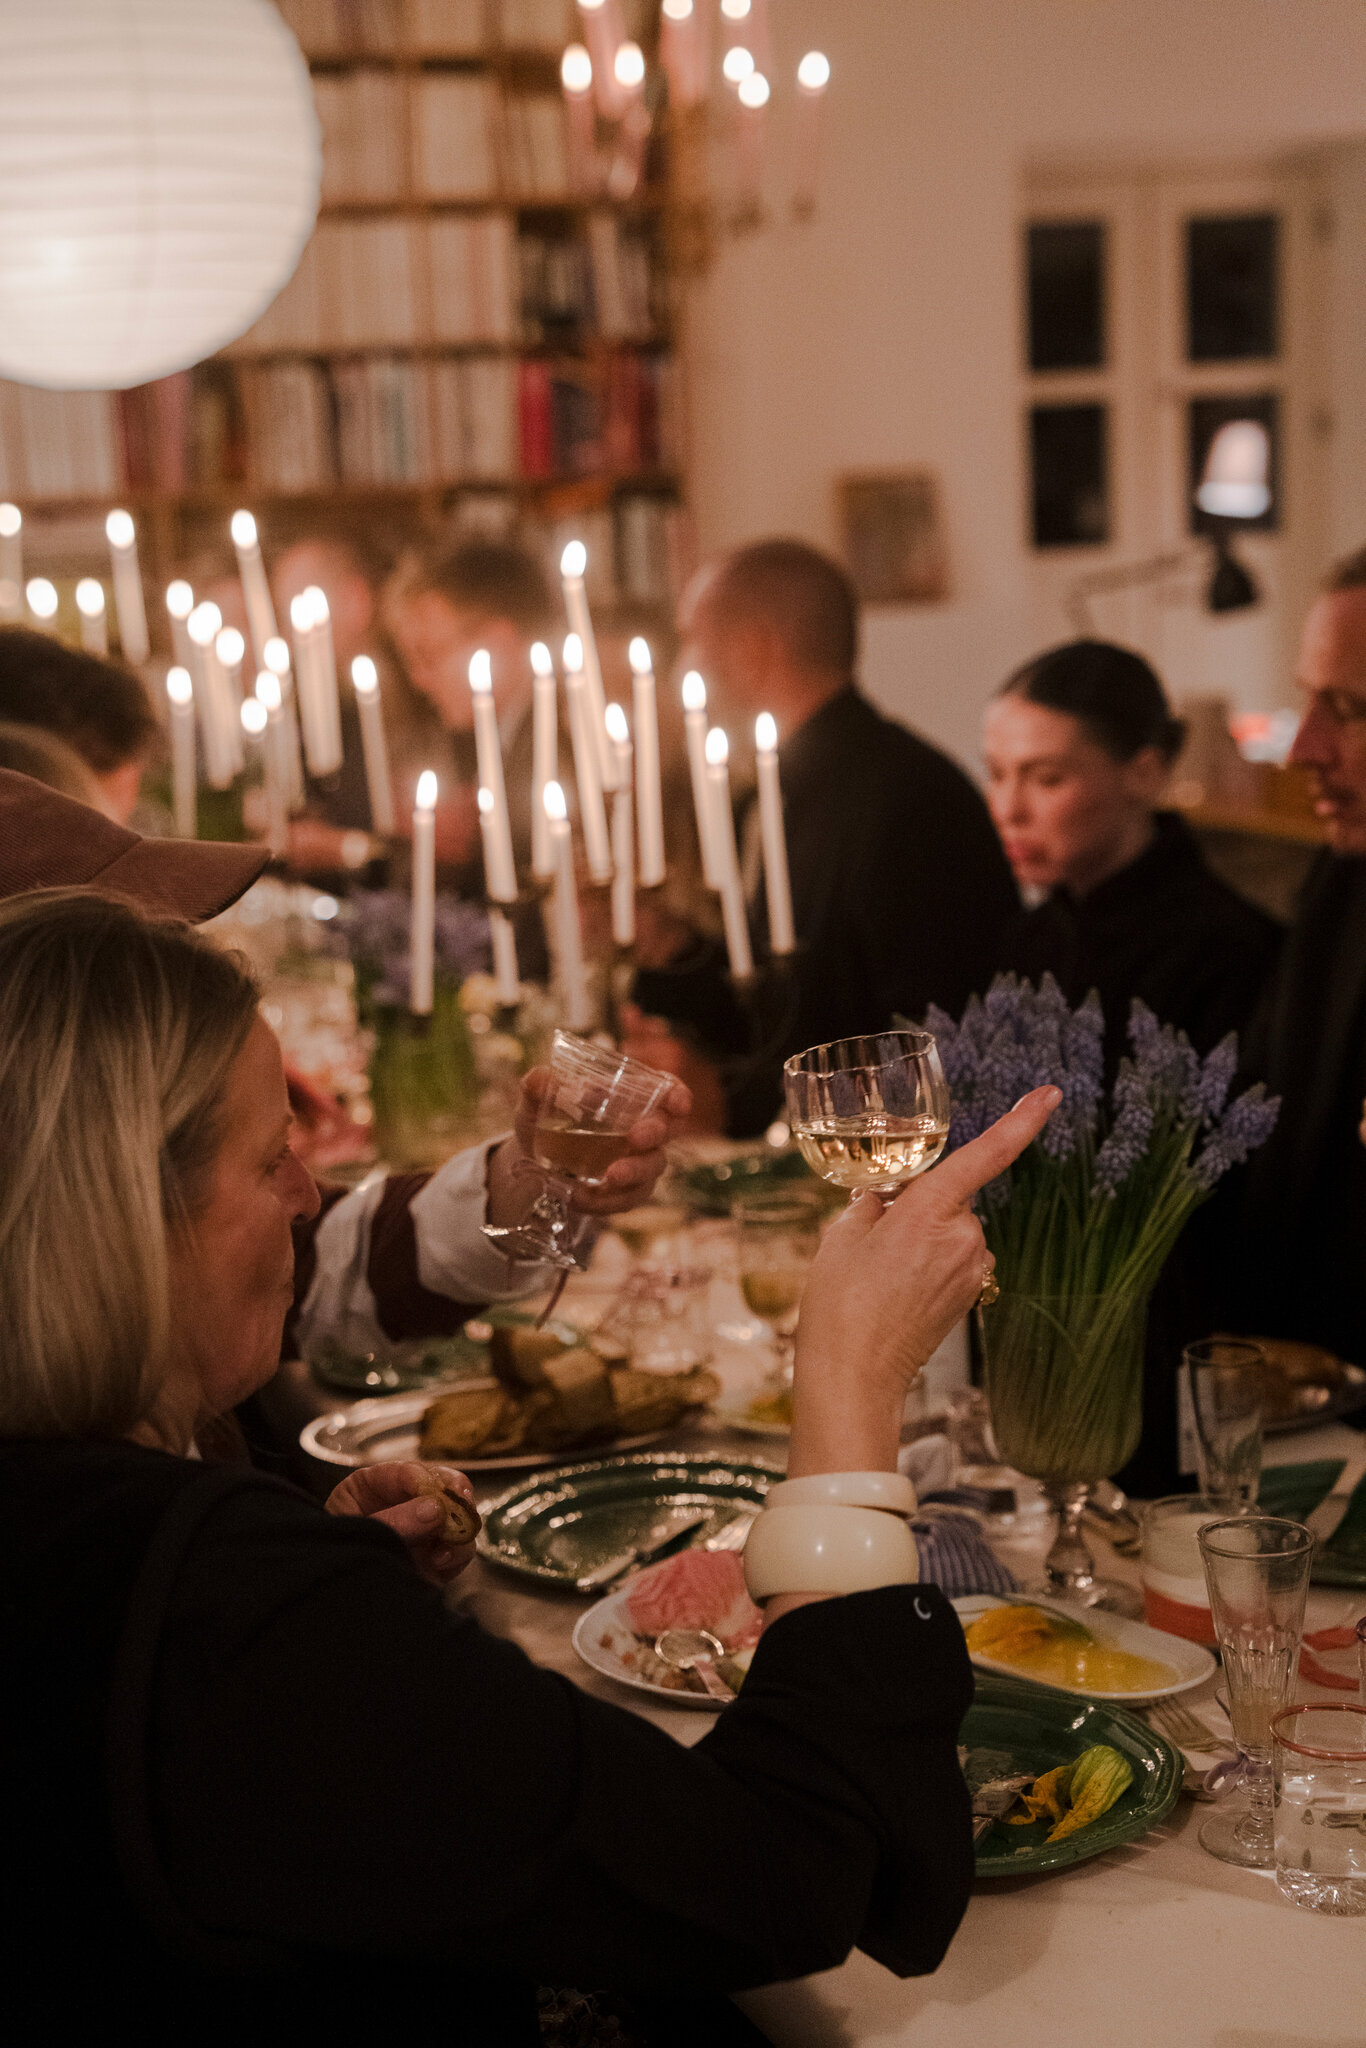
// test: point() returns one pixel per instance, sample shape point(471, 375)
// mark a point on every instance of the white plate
point(368, 1432)
point(1191, 1664)
point(608, 1619)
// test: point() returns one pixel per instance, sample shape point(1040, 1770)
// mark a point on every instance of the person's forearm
point(839, 1424)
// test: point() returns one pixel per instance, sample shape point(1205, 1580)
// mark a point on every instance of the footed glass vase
point(1065, 1382)
point(424, 1085)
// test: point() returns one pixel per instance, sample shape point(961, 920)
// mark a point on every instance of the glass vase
point(1065, 1382)
point(424, 1084)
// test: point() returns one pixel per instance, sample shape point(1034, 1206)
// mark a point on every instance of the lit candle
point(276, 759)
point(592, 813)
point(422, 945)
point(505, 971)
point(316, 670)
point(813, 76)
point(496, 880)
point(489, 755)
point(11, 564)
point(649, 796)
point(753, 95)
point(365, 682)
point(218, 724)
point(90, 605)
point(255, 584)
point(179, 605)
point(695, 734)
point(576, 80)
point(778, 888)
point(180, 693)
point(604, 33)
point(567, 933)
point(123, 554)
point(731, 891)
point(277, 661)
point(623, 834)
point(633, 130)
point(40, 595)
point(545, 765)
point(254, 718)
point(683, 54)
point(573, 563)
point(231, 650)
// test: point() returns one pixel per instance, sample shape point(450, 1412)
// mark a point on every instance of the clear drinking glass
point(592, 1100)
point(1320, 1755)
point(869, 1112)
point(776, 1239)
point(1228, 1389)
point(1257, 1574)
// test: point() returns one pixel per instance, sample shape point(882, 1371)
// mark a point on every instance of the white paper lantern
point(159, 168)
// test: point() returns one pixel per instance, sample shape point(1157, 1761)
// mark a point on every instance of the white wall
point(886, 332)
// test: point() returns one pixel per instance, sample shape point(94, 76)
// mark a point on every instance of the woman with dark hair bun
point(1079, 743)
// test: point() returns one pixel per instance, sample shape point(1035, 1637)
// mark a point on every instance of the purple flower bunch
point(372, 930)
point(1016, 1038)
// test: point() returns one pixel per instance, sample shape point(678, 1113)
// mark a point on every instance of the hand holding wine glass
point(869, 1112)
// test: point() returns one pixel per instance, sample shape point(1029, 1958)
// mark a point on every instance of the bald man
point(1294, 1253)
point(900, 889)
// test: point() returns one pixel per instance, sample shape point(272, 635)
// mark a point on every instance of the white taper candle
point(123, 555)
point(505, 972)
point(592, 813)
point(545, 765)
point(782, 937)
point(179, 605)
point(277, 761)
point(255, 584)
point(277, 661)
point(94, 625)
point(695, 735)
point(566, 933)
point(180, 695)
point(573, 565)
point(365, 682)
point(11, 565)
point(489, 755)
point(649, 794)
point(623, 834)
point(729, 887)
point(422, 935)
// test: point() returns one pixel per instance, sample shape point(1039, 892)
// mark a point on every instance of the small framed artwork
point(892, 528)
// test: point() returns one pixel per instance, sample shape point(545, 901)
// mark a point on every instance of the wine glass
point(869, 1112)
point(776, 1238)
point(593, 1098)
point(1228, 1389)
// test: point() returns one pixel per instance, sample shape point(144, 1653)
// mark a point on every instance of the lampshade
point(1234, 485)
point(159, 168)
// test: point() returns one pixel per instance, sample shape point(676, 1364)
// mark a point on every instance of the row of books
point(384, 283)
point(443, 135)
point(436, 28)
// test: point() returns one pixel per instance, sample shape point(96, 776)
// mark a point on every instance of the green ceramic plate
point(423, 1362)
point(559, 1525)
point(1041, 1728)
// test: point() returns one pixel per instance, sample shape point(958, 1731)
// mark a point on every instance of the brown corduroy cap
point(49, 841)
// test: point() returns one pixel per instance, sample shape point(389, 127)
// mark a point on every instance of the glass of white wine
point(869, 1112)
point(776, 1239)
point(593, 1099)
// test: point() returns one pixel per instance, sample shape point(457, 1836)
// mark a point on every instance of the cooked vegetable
point(1073, 1795)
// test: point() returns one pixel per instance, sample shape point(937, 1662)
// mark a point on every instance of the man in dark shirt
point(900, 890)
point(1294, 1250)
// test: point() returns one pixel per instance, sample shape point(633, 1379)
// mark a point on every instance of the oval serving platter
point(1189, 1663)
point(369, 1432)
point(562, 1524)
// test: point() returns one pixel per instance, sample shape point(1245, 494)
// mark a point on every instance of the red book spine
point(535, 430)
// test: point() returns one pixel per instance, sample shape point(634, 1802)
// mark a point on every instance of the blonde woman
point(251, 1766)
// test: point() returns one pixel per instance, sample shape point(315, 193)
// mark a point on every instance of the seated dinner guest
point(900, 894)
point(96, 707)
point(252, 1763)
point(1078, 745)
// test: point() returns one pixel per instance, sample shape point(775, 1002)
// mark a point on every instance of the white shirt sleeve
point(454, 1258)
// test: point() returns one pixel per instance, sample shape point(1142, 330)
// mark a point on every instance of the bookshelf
point(464, 328)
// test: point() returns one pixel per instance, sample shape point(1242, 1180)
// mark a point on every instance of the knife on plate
point(659, 1539)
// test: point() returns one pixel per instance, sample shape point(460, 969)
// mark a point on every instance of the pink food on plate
point(696, 1589)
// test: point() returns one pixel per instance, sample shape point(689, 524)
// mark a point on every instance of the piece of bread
point(583, 1406)
point(463, 1519)
point(456, 1425)
point(518, 1356)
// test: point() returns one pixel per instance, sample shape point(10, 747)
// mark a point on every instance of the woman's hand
point(628, 1181)
point(390, 1493)
point(886, 1289)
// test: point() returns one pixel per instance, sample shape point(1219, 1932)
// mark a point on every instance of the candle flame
point(426, 790)
point(179, 687)
point(737, 63)
point(317, 600)
point(542, 661)
point(677, 10)
point(485, 802)
point(42, 597)
point(364, 676)
point(119, 530)
point(573, 654)
point(11, 521)
point(735, 10)
point(638, 654)
point(753, 91)
point(253, 717)
point(591, 6)
point(481, 671)
point(718, 748)
point(268, 689)
point(204, 624)
point(230, 647)
point(694, 692)
point(90, 598)
point(766, 732)
point(614, 719)
point(243, 530)
point(301, 612)
point(574, 560)
point(275, 655)
point(179, 599)
point(555, 805)
point(629, 66)
point(813, 73)
point(576, 69)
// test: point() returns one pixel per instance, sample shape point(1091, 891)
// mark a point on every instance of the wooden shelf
point(422, 206)
point(588, 347)
point(1253, 823)
point(208, 497)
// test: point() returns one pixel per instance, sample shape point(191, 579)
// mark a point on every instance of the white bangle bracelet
point(890, 1491)
point(828, 1548)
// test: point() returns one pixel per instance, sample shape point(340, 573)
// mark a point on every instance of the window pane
point(1070, 487)
point(1066, 295)
point(1231, 264)
point(1206, 416)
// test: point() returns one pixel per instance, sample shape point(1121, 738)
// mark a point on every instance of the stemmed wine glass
point(593, 1098)
point(776, 1238)
point(869, 1112)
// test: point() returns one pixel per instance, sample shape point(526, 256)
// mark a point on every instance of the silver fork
point(1184, 1728)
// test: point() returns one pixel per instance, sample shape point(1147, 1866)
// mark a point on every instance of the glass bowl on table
point(869, 1112)
point(593, 1099)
